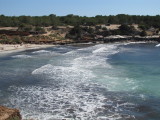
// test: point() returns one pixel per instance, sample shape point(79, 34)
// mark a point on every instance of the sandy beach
point(6, 48)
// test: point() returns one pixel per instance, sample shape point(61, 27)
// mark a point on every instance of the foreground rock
point(9, 114)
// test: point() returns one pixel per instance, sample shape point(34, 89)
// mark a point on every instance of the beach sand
point(6, 48)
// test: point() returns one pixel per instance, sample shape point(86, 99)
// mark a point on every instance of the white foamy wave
point(158, 45)
point(94, 56)
point(22, 56)
point(44, 69)
point(69, 89)
point(128, 43)
point(64, 74)
point(41, 51)
point(142, 96)
point(120, 84)
point(70, 52)
point(91, 48)
point(105, 49)
point(45, 53)
point(102, 49)
point(90, 62)
point(69, 101)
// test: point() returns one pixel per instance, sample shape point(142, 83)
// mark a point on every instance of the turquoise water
point(83, 82)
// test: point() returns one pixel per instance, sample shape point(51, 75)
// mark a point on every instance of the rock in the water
point(9, 114)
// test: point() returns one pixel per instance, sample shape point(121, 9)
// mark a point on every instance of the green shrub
point(143, 33)
point(15, 118)
point(16, 40)
point(39, 29)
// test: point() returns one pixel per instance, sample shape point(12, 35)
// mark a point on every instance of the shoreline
point(11, 48)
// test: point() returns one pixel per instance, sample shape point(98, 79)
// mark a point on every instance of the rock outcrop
point(9, 114)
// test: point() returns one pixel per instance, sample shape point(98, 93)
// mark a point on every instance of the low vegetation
point(53, 20)
point(52, 28)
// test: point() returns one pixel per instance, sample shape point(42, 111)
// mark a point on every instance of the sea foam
point(158, 45)
point(22, 56)
point(68, 90)
point(41, 51)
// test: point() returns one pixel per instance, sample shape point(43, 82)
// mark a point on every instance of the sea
point(114, 81)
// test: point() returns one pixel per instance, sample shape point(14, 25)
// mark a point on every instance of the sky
point(79, 7)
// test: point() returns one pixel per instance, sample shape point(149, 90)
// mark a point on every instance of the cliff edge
point(9, 114)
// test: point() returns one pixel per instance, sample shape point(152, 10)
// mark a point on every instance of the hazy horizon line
point(80, 15)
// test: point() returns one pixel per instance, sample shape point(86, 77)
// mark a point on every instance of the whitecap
point(158, 45)
point(142, 96)
point(41, 51)
point(44, 69)
point(70, 52)
point(22, 56)
point(99, 50)
point(140, 42)
point(65, 74)
point(69, 92)
point(68, 100)
point(51, 103)
point(90, 62)
point(105, 50)
point(45, 53)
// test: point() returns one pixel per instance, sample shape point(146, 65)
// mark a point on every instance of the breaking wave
point(71, 90)
point(41, 51)
point(158, 45)
point(22, 56)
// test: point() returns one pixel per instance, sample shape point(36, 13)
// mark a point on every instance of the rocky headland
point(9, 114)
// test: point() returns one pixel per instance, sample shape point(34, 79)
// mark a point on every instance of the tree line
point(53, 20)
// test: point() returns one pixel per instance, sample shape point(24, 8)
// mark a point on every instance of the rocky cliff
point(9, 114)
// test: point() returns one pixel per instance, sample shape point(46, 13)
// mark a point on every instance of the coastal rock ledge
point(9, 114)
